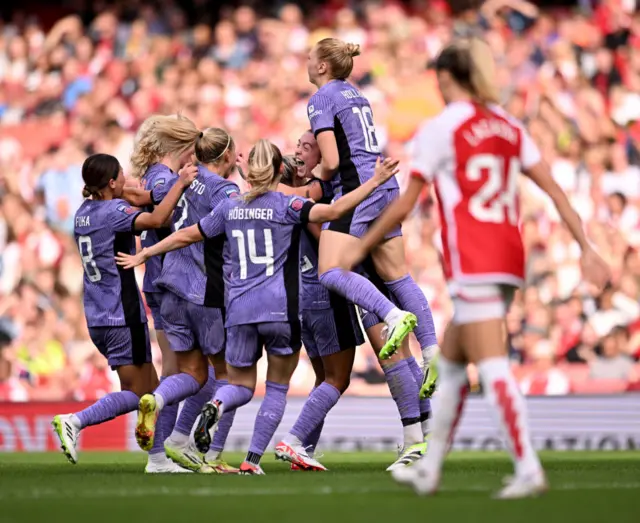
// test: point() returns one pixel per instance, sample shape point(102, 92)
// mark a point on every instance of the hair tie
point(225, 149)
point(201, 134)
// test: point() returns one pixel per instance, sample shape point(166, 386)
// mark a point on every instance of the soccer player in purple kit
point(105, 224)
point(262, 232)
point(342, 122)
point(155, 163)
point(330, 328)
point(414, 413)
point(193, 304)
point(193, 299)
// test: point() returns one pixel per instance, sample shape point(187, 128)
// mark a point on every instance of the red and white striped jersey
point(474, 155)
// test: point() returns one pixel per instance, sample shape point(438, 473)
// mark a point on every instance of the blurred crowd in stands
point(85, 82)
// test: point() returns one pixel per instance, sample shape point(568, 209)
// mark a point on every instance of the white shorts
point(474, 303)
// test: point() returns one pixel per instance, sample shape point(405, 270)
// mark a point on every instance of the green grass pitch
point(586, 488)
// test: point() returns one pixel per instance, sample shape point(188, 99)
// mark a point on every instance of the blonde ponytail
point(482, 72)
point(265, 160)
point(160, 136)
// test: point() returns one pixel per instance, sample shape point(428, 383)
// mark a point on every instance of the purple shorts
point(154, 302)
point(357, 222)
point(245, 342)
point(123, 345)
point(191, 326)
point(328, 331)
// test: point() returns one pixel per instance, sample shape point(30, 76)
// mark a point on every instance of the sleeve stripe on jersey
point(153, 198)
point(322, 130)
point(133, 221)
point(304, 213)
point(417, 174)
point(202, 231)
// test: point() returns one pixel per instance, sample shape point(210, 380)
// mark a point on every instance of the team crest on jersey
point(159, 182)
point(296, 204)
point(231, 192)
point(126, 209)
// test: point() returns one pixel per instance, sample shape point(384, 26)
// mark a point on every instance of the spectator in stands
point(613, 363)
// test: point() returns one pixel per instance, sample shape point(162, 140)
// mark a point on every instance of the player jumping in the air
point(329, 346)
point(342, 121)
point(105, 225)
point(474, 152)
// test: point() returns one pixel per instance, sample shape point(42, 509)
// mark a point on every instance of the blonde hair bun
point(352, 49)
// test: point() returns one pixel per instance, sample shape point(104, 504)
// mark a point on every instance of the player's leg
point(335, 337)
point(452, 391)
point(128, 351)
point(404, 391)
point(482, 336)
point(213, 457)
point(282, 341)
point(242, 353)
point(158, 462)
point(357, 289)
point(389, 260)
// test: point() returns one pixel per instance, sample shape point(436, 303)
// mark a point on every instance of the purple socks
point(404, 391)
point(411, 298)
point(193, 405)
point(174, 389)
point(224, 425)
point(108, 407)
point(358, 290)
point(233, 396)
point(268, 418)
point(164, 426)
point(320, 402)
point(425, 405)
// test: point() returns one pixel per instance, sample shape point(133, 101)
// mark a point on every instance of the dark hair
point(290, 165)
point(97, 171)
point(460, 6)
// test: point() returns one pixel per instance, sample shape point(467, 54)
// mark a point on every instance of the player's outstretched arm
point(311, 191)
point(325, 213)
point(390, 218)
point(173, 242)
point(162, 212)
point(594, 268)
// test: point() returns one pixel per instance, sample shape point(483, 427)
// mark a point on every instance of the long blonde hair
point(160, 136)
point(471, 63)
point(338, 55)
point(265, 161)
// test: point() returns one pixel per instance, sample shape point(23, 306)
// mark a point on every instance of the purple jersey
point(313, 295)
point(111, 294)
point(340, 107)
point(195, 272)
point(263, 239)
point(158, 179)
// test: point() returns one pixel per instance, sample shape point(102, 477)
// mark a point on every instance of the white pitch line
point(51, 493)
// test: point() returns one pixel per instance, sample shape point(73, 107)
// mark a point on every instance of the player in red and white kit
point(473, 152)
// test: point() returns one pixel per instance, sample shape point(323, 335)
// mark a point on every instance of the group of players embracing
point(229, 274)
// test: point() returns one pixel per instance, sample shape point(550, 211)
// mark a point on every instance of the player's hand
point(242, 165)
point(594, 269)
point(385, 170)
point(129, 261)
point(187, 174)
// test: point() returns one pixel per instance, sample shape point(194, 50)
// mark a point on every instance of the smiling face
point(308, 151)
